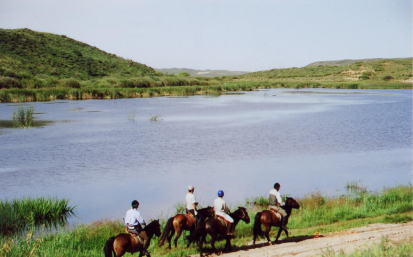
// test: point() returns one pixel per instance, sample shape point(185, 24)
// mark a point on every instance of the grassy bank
point(318, 214)
point(25, 214)
point(84, 93)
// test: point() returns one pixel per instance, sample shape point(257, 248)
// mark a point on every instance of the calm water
point(101, 154)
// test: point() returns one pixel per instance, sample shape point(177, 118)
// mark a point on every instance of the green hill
point(25, 53)
point(36, 66)
point(345, 70)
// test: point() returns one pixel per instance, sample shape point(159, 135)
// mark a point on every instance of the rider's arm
point(279, 199)
point(140, 219)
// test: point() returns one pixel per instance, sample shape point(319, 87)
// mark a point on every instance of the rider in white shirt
point(276, 202)
point(136, 224)
point(221, 209)
point(190, 201)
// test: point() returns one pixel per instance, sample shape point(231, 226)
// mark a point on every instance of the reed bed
point(24, 214)
point(23, 117)
point(114, 92)
point(318, 214)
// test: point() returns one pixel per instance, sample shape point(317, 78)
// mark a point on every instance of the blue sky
point(225, 34)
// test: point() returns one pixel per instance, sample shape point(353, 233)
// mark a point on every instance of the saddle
point(276, 213)
point(190, 219)
point(223, 221)
point(134, 235)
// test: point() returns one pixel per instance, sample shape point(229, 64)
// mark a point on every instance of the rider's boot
point(230, 230)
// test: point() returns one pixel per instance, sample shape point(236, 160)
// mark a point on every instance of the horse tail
point(166, 231)
point(257, 225)
point(108, 249)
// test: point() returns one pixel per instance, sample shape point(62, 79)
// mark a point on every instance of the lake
point(101, 154)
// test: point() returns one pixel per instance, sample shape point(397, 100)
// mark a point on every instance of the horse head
point(291, 202)
point(154, 227)
point(206, 212)
point(243, 214)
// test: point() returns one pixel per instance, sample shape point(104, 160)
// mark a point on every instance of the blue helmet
point(220, 193)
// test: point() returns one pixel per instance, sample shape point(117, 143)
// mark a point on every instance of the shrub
point(6, 82)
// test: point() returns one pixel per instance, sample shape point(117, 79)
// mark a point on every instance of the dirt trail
point(347, 240)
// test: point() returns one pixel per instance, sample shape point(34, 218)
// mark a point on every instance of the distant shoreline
point(60, 93)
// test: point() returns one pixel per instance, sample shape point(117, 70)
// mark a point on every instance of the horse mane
point(151, 224)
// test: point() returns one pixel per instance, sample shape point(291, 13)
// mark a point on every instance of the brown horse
point(125, 242)
point(180, 222)
point(217, 229)
point(269, 218)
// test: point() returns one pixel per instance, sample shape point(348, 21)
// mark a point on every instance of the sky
point(244, 35)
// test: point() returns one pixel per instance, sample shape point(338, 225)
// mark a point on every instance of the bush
point(387, 78)
point(6, 82)
point(70, 83)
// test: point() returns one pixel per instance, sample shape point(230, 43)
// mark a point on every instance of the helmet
point(190, 188)
point(220, 193)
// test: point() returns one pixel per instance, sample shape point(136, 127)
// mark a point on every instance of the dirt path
point(347, 240)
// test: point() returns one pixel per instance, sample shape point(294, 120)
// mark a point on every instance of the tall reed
point(22, 214)
point(23, 117)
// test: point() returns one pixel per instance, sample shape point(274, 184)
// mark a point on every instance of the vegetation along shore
point(318, 214)
point(36, 66)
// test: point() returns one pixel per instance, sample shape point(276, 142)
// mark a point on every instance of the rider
point(135, 223)
point(221, 209)
point(276, 203)
point(191, 204)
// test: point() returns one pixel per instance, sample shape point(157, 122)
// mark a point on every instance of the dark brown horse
point(218, 230)
point(118, 245)
point(180, 222)
point(268, 219)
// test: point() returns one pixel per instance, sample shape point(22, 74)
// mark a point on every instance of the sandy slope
point(347, 241)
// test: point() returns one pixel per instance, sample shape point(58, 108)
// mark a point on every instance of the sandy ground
point(347, 240)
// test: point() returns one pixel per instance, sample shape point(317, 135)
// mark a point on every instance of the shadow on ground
point(296, 239)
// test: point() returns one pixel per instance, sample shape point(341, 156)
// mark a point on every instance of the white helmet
point(190, 188)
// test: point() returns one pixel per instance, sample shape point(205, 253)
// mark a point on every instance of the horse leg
point(228, 244)
point(286, 231)
point(170, 238)
point(178, 234)
point(213, 238)
point(278, 234)
point(267, 233)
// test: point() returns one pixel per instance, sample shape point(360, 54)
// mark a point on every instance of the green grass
point(24, 214)
point(384, 249)
point(318, 214)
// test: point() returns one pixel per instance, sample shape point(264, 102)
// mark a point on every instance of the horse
point(180, 222)
point(268, 219)
point(217, 230)
point(126, 242)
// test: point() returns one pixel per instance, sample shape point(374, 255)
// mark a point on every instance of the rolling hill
point(25, 53)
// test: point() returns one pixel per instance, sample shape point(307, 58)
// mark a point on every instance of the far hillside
point(399, 70)
point(201, 73)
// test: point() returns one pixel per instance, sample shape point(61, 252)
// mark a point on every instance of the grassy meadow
point(318, 214)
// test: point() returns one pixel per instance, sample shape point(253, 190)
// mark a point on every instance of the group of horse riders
point(135, 223)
